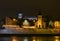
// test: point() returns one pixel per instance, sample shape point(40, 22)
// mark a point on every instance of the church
point(40, 21)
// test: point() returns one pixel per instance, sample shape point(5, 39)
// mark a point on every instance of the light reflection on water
point(25, 39)
point(14, 38)
point(57, 38)
point(33, 38)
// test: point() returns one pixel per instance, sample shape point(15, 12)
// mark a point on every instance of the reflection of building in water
point(14, 39)
point(25, 39)
point(56, 38)
point(34, 39)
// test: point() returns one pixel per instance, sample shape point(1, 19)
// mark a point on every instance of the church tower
point(39, 23)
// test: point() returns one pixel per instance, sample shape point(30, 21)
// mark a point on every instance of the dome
point(26, 22)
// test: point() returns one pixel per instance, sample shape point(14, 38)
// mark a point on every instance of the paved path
point(30, 31)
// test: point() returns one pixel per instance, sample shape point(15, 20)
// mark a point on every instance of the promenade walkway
point(29, 31)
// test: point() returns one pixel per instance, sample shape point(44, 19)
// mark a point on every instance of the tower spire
point(39, 13)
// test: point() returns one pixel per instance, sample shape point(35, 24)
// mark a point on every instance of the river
point(32, 38)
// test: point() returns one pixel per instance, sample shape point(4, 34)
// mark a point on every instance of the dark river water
point(33, 38)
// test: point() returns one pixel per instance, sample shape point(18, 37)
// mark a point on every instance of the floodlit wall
point(8, 21)
point(11, 26)
point(39, 22)
point(57, 24)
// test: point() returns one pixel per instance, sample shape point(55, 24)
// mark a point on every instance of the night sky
point(29, 7)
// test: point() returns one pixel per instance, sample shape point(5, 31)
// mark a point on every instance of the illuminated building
point(8, 21)
point(44, 24)
point(51, 23)
point(39, 23)
point(57, 24)
point(25, 24)
point(30, 17)
point(20, 15)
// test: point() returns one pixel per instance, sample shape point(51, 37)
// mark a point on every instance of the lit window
point(20, 15)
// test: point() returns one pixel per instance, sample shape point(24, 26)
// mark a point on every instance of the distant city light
point(51, 23)
point(26, 22)
point(25, 39)
point(20, 15)
point(34, 39)
point(14, 39)
point(57, 24)
point(14, 19)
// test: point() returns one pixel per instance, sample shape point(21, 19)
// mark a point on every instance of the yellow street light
point(14, 20)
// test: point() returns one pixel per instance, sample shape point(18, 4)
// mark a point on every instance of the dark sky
point(29, 7)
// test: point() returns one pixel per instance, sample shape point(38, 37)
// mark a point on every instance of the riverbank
point(30, 31)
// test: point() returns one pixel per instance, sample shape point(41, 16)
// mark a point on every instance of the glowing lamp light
point(14, 19)
point(25, 39)
point(25, 22)
point(14, 39)
point(34, 39)
point(57, 23)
